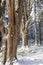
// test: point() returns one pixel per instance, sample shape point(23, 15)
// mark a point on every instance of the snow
point(1, 63)
point(33, 57)
point(6, 16)
point(30, 56)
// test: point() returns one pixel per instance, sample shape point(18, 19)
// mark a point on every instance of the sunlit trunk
point(24, 39)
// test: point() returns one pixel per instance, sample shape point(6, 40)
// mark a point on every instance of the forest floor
point(32, 55)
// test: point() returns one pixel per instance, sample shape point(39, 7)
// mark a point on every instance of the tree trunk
point(37, 33)
point(24, 39)
point(22, 13)
point(3, 48)
point(12, 45)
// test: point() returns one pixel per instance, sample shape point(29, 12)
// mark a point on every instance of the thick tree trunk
point(12, 45)
point(16, 35)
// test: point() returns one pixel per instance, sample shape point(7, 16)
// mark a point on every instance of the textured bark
point(16, 35)
point(12, 45)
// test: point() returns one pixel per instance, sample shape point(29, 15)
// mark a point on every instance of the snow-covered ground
point(29, 56)
point(32, 57)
